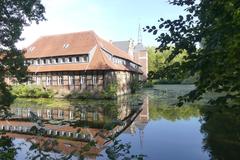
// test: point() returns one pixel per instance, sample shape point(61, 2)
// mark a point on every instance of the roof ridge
point(61, 34)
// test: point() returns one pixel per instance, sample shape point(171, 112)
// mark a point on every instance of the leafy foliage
point(118, 150)
point(31, 91)
point(164, 70)
point(109, 92)
point(7, 149)
point(209, 32)
point(220, 127)
point(14, 16)
point(134, 85)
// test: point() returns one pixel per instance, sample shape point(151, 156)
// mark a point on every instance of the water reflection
point(114, 129)
point(221, 129)
point(80, 130)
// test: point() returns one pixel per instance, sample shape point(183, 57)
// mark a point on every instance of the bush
point(31, 91)
point(166, 81)
point(110, 92)
point(134, 85)
point(148, 84)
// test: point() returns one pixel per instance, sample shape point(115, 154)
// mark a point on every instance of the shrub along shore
point(36, 91)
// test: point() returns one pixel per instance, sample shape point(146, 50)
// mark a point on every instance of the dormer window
point(65, 45)
point(31, 49)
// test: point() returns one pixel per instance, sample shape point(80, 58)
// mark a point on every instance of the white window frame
point(54, 61)
point(70, 80)
point(66, 60)
point(60, 80)
point(74, 60)
point(38, 80)
point(48, 80)
point(82, 79)
point(60, 114)
point(94, 79)
point(49, 113)
point(39, 113)
point(81, 59)
point(71, 115)
point(60, 60)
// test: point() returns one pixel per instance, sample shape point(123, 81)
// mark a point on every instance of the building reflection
point(141, 121)
point(72, 127)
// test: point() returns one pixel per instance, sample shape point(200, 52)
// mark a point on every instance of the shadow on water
point(221, 130)
point(73, 129)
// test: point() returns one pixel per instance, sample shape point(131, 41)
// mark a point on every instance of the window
point(71, 80)
point(19, 112)
point(29, 80)
point(49, 113)
point(70, 59)
point(56, 60)
point(77, 59)
point(60, 80)
point(66, 60)
point(60, 60)
point(60, 113)
point(71, 115)
point(94, 79)
point(82, 79)
point(65, 45)
point(85, 59)
point(95, 116)
point(74, 59)
point(48, 80)
point(28, 112)
point(31, 49)
point(83, 116)
point(49, 61)
point(81, 59)
point(38, 80)
point(39, 113)
point(29, 61)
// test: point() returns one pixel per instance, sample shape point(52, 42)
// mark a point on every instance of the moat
point(145, 125)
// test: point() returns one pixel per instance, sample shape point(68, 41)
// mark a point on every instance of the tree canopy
point(14, 15)
point(210, 34)
point(158, 65)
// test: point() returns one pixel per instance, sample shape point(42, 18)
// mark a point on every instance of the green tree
point(14, 15)
point(210, 34)
point(159, 64)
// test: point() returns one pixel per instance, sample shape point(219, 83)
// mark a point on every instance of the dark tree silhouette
point(210, 34)
point(14, 15)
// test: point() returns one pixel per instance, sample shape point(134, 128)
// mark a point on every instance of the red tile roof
point(79, 43)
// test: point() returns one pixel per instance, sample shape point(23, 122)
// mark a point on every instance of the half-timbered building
point(79, 61)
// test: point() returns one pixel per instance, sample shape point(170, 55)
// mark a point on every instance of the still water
point(144, 126)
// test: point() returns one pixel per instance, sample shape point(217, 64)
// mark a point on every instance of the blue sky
point(110, 19)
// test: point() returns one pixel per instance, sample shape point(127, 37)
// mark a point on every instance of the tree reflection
point(7, 149)
point(221, 129)
point(172, 113)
